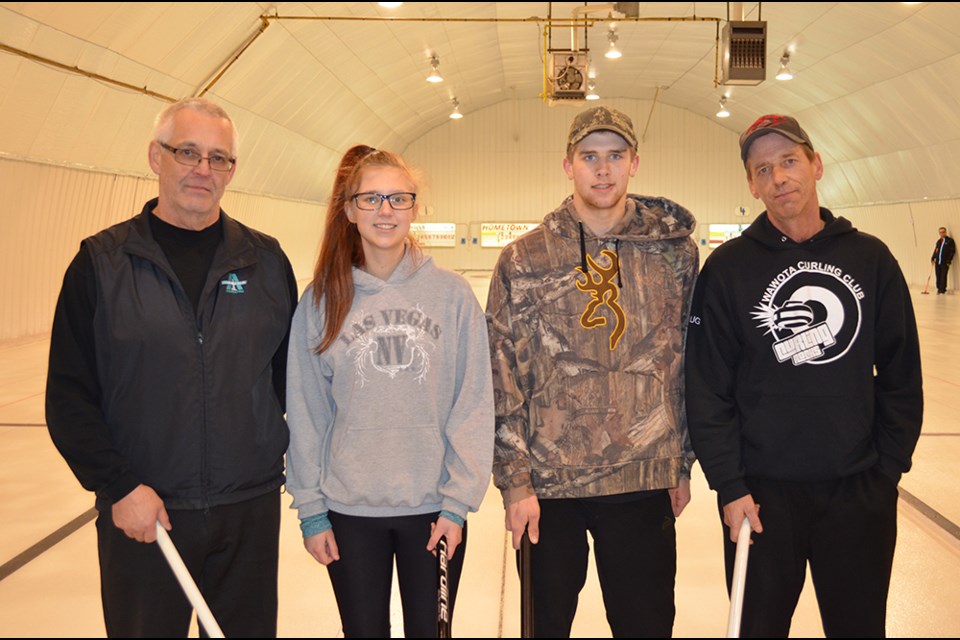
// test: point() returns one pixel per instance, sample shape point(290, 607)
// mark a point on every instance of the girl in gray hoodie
point(389, 404)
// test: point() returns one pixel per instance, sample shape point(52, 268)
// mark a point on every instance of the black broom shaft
point(526, 588)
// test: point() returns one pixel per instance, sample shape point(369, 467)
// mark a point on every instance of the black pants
point(363, 576)
point(942, 271)
point(846, 529)
point(231, 552)
point(635, 547)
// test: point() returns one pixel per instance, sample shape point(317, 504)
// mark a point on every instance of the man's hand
point(734, 513)
point(137, 513)
point(680, 496)
point(524, 515)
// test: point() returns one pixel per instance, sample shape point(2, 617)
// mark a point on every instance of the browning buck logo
point(603, 291)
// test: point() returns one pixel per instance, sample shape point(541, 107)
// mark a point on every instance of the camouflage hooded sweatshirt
point(588, 369)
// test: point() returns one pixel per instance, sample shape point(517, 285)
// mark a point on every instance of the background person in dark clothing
point(165, 390)
point(942, 256)
point(804, 394)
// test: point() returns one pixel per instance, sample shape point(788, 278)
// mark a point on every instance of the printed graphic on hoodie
point(603, 290)
point(811, 310)
point(390, 342)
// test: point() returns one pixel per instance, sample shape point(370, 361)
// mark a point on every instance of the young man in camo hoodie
point(587, 316)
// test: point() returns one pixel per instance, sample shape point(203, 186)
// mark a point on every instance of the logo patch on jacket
point(603, 291)
point(233, 284)
point(812, 310)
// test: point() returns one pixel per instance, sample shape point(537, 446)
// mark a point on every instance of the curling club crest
point(812, 312)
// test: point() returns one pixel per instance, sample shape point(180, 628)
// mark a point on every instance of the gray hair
point(163, 125)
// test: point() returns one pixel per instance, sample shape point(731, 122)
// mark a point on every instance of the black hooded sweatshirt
point(802, 360)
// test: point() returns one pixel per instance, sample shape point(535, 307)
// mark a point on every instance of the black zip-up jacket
point(780, 358)
point(944, 256)
point(143, 388)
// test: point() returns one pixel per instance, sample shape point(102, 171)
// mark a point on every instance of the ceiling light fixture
point(435, 74)
point(455, 114)
point(612, 53)
point(785, 73)
point(592, 91)
point(390, 5)
point(723, 113)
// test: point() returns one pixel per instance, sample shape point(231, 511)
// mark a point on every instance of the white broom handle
point(739, 580)
point(186, 582)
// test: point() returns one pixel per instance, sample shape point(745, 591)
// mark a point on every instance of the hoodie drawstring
point(583, 255)
point(617, 251)
point(583, 250)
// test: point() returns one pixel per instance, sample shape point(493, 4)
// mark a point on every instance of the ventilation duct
point(744, 53)
point(628, 9)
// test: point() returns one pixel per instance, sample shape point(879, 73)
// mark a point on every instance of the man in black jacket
point(942, 257)
point(804, 394)
point(165, 390)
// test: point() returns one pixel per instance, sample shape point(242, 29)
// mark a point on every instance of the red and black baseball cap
point(772, 123)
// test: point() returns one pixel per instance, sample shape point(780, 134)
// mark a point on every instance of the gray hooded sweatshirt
point(396, 417)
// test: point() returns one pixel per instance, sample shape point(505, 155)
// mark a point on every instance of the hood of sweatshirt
point(762, 230)
point(412, 262)
point(649, 221)
point(652, 220)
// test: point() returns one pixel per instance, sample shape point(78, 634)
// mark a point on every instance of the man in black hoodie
point(804, 394)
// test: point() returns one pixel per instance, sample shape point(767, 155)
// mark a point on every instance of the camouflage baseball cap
point(602, 119)
point(786, 126)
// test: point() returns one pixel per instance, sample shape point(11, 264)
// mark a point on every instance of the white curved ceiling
point(876, 83)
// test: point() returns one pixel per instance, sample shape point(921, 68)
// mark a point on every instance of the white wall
point(48, 209)
point(499, 164)
point(910, 230)
point(503, 164)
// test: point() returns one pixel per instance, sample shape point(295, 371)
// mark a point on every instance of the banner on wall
point(435, 234)
point(500, 234)
point(720, 233)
